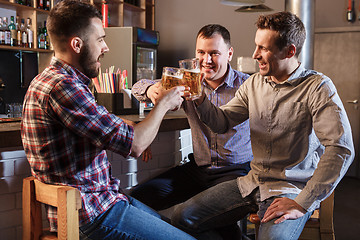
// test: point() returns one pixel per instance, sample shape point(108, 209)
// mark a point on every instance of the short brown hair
point(70, 18)
point(290, 28)
point(209, 30)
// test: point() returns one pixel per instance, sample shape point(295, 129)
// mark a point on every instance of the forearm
point(330, 170)
point(140, 87)
point(213, 117)
point(146, 130)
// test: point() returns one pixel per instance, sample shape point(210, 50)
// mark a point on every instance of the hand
point(285, 209)
point(147, 155)
point(128, 122)
point(172, 98)
point(155, 92)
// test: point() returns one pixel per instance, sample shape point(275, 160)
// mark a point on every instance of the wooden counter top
point(10, 131)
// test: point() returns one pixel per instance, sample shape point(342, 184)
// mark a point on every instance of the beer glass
point(192, 76)
point(172, 77)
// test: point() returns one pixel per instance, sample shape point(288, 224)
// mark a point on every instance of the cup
point(172, 77)
point(14, 110)
point(192, 76)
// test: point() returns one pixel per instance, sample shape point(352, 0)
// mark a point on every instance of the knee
point(184, 219)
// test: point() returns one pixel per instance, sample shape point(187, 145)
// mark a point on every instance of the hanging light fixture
point(254, 8)
point(247, 5)
point(240, 3)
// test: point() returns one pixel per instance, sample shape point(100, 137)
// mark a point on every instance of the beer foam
point(193, 70)
point(174, 76)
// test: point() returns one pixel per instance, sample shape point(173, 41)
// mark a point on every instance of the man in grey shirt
point(301, 139)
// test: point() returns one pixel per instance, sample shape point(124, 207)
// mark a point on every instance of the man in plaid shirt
point(65, 133)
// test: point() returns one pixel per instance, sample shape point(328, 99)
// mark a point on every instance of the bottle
point(7, 31)
point(46, 36)
point(350, 14)
point(46, 4)
point(22, 2)
point(29, 3)
point(13, 34)
point(18, 31)
point(24, 35)
point(40, 4)
point(2, 32)
point(41, 38)
point(30, 33)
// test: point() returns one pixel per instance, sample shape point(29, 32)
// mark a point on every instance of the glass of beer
point(192, 76)
point(172, 77)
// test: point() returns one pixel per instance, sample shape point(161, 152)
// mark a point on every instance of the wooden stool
point(66, 199)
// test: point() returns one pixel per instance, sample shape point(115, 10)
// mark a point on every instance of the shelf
point(133, 8)
point(16, 6)
point(15, 48)
point(123, 14)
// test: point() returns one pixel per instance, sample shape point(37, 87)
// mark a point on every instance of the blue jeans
point(223, 205)
point(131, 220)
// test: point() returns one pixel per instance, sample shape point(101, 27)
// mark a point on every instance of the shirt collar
point(229, 78)
point(295, 77)
point(70, 70)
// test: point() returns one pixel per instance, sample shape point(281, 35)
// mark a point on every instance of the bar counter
point(10, 128)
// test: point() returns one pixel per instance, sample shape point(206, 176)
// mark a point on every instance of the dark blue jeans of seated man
point(183, 182)
point(223, 204)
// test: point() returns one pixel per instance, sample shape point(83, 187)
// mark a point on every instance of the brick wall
point(168, 149)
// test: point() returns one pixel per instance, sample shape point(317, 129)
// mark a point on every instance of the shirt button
point(269, 130)
point(269, 108)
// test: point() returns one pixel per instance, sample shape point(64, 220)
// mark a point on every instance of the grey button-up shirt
point(300, 135)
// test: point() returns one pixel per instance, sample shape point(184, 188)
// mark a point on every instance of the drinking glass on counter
point(192, 76)
point(14, 110)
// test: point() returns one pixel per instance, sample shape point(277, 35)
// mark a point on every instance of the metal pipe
point(305, 10)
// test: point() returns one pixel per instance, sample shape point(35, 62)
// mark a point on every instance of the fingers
point(147, 155)
point(283, 209)
point(273, 211)
point(270, 214)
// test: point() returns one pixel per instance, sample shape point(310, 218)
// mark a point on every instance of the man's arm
point(147, 90)
point(146, 130)
point(332, 127)
point(221, 119)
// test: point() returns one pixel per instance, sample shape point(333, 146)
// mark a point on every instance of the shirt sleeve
point(140, 87)
point(332, 128)
point(74, 106)
point(221, 119)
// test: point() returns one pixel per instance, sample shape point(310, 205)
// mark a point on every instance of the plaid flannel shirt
point(65, 134)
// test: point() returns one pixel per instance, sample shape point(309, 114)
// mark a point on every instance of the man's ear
point(231, 53)
point(76, 44)
point(291, 51)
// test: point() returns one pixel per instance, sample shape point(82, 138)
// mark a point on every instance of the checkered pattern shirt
point(65, 134)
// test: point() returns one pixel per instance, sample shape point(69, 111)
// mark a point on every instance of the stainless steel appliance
point(133, 49)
